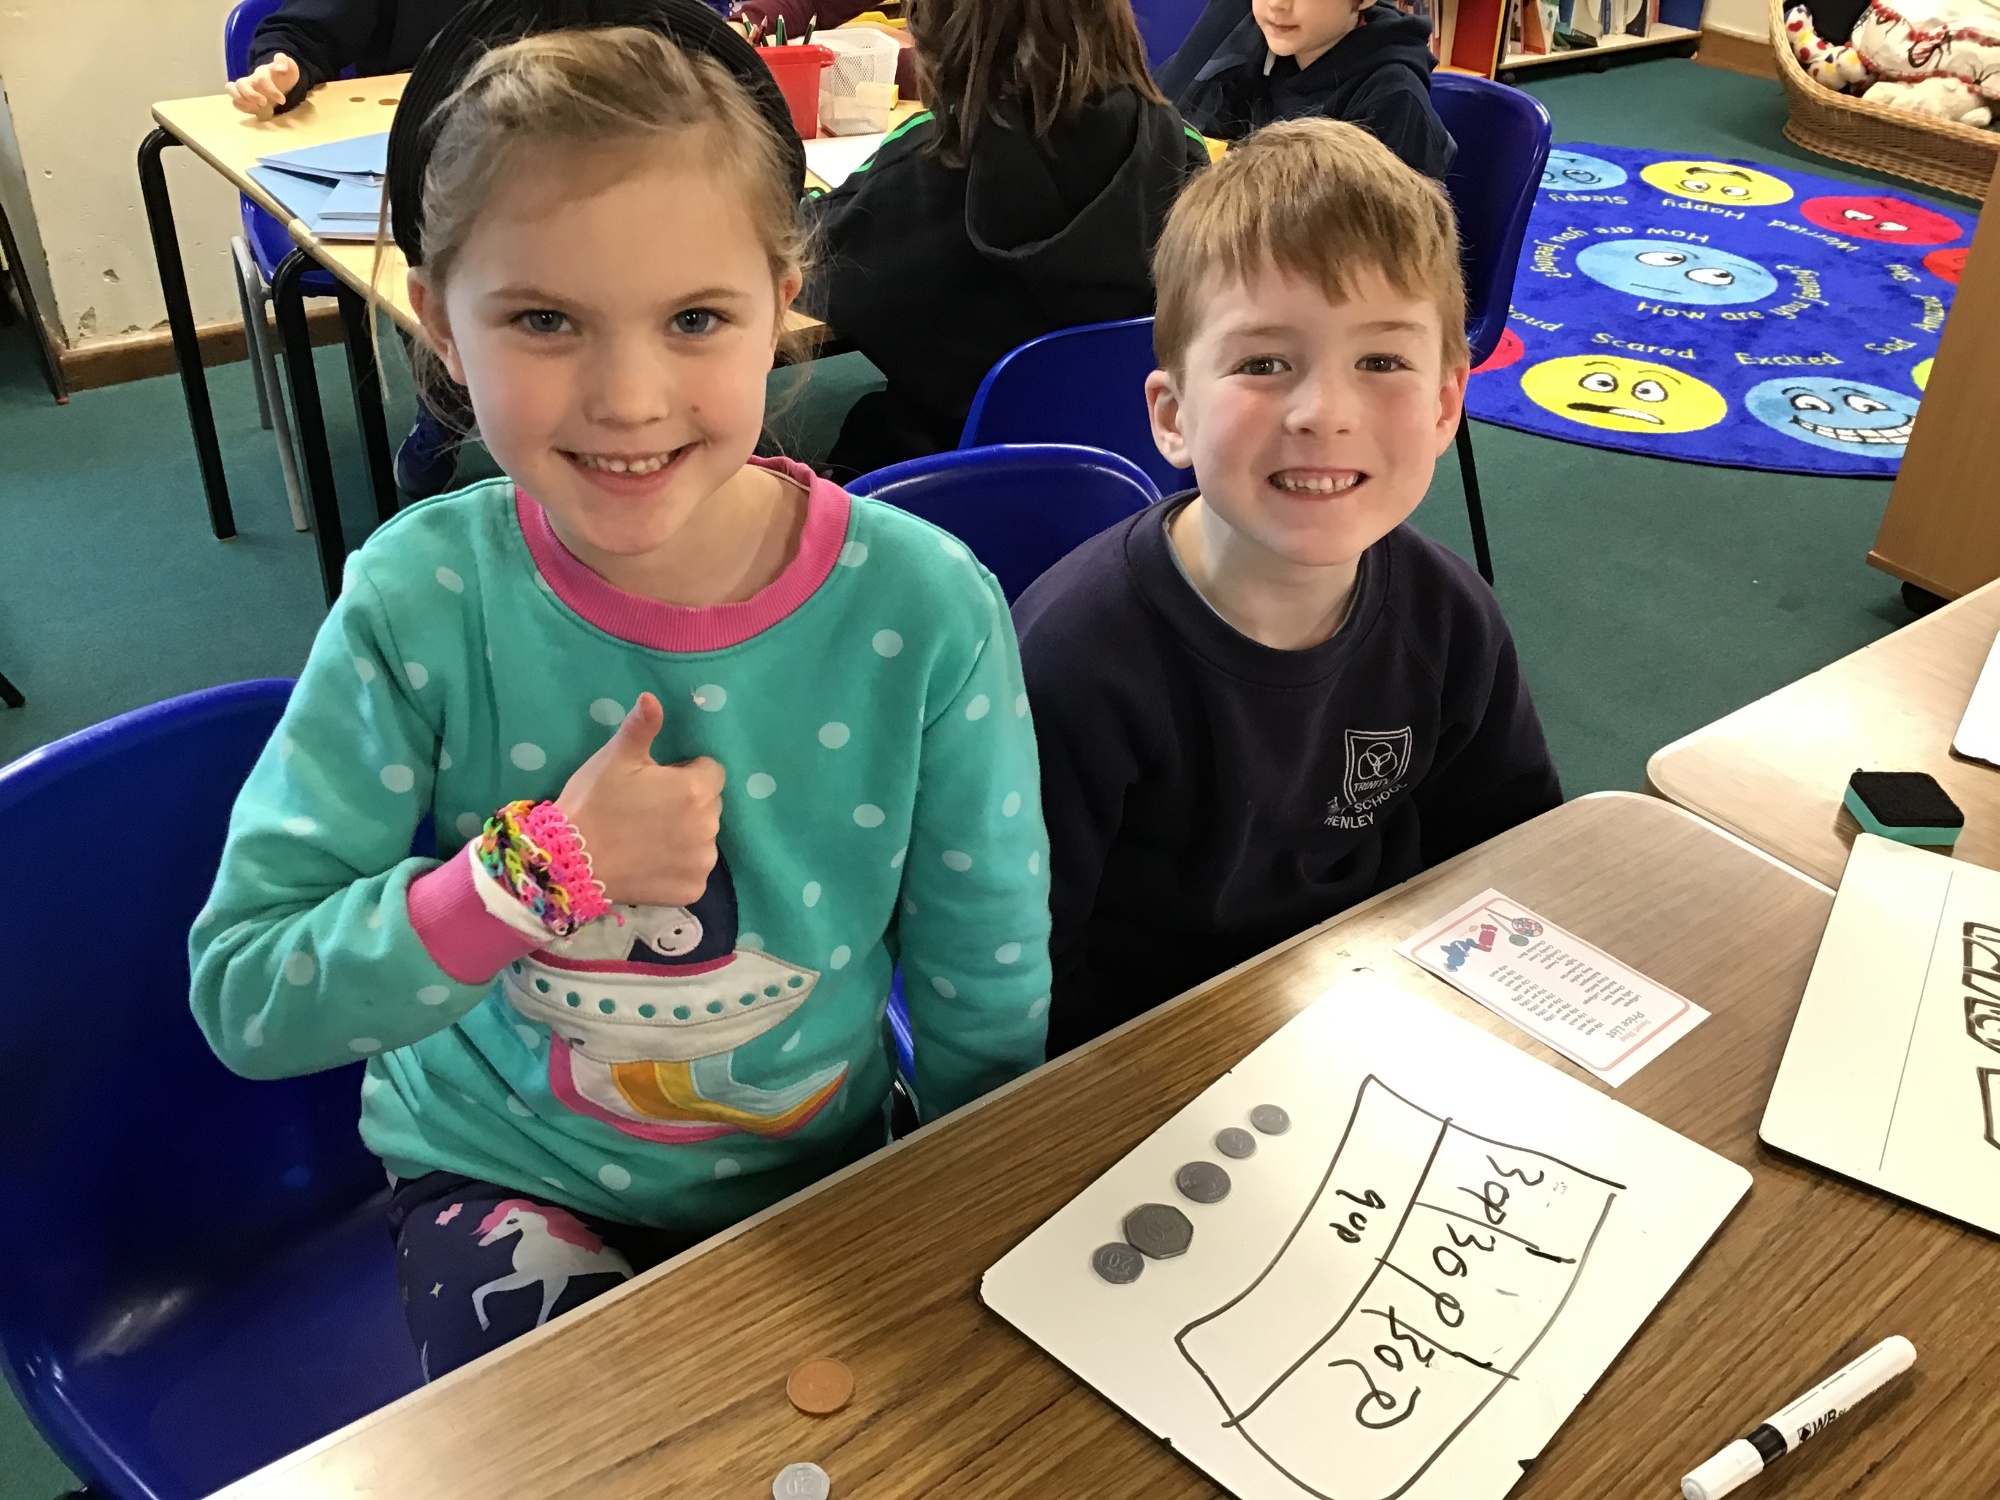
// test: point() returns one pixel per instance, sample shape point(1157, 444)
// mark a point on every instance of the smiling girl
point(709, 746)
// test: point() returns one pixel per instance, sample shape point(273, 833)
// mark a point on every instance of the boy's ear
point(1163, 406)
point(1451, 407)
point(428, 304)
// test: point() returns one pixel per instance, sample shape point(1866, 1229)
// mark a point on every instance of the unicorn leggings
point(481, 1264)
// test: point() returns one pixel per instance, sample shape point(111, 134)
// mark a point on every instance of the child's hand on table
point(261, 91)
point(649, 829)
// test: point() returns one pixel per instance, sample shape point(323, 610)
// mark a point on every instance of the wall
point(15, 203)
point(80, 78)
point(1751, 18)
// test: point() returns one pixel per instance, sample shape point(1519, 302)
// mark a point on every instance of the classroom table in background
point(1774, 771)
point(232, 142)
point(675, 1384)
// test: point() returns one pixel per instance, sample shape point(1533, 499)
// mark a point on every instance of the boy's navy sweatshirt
point(370, 36)
point(1208, 796)
point(1378, 76)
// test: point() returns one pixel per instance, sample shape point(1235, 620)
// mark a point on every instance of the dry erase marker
point(1810, 1415)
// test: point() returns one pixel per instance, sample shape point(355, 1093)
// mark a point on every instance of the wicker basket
point(1938, 153)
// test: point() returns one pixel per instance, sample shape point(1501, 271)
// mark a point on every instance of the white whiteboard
point(1978, 736)
point(1310, 1342)
point(1892, 1073)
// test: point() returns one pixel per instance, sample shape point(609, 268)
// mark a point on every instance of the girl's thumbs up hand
point(650, 829)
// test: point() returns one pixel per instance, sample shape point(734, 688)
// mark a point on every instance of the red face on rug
point(1946, 265)
point(1509, 349)
point(1889, 221)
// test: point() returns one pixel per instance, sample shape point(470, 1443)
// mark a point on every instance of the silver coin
point(1270, 1119)
point(1158, 1230)
point(1202, 1182)
point(801, 1482)
point(1235, 1143)
point(1117, 1262)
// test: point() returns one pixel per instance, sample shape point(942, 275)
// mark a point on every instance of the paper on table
point(1892, 1073)
point(833, 159)
point(1562, 991)
point(1979, 731)
point(304, 198)
point(354, 198)
point(357, 156)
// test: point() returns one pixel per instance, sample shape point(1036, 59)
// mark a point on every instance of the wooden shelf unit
point(1660, 35)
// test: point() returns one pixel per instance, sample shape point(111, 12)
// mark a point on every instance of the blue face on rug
point(1669, 271)
point(1574, 172)
point(1846, 416)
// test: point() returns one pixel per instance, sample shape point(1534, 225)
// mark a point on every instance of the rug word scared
point(1722, 312)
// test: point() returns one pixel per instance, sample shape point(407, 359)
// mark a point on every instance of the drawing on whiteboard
point(1425, 1270)
point(1981, 942)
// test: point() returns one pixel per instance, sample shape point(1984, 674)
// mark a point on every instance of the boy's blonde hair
point(1318, 199)
point(608, 86)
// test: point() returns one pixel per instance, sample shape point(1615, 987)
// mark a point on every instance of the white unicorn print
point(554, 1245)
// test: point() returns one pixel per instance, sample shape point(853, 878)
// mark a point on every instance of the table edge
point(484, 1366)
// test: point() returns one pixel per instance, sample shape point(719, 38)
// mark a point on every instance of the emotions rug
point(1722, 312)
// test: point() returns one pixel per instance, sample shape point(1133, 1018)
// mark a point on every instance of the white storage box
point(859, 90)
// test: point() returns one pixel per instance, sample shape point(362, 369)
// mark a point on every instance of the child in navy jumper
point(1262, 702)
point(1245, 65)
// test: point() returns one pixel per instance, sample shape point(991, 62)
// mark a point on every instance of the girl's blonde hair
point(606, 86)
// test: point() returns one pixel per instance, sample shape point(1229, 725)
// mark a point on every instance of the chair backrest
point(138, 1174)
point(1164, 25)
point(1020, 508)
point(1503, 144)
point(237, 30)
point(1082, 385)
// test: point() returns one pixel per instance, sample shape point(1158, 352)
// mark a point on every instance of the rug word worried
point(1722, 312)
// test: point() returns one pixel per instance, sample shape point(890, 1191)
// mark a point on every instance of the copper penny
point(820, 1386)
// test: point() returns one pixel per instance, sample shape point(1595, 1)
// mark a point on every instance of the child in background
point(1027, 200)
point(303, 43)
point(1368, 63)
point(708, 746)
point(1263, 702)
point(295, 49)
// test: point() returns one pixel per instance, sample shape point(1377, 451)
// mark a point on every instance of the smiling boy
point(1263, 701)
point(1367, 63)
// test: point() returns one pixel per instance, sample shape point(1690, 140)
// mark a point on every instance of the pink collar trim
point(674, 627)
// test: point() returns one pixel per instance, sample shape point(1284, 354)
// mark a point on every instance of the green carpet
point(1647, 597)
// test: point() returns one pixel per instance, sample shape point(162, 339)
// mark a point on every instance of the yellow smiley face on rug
point(1623, 395)
point(1920, 373)
point(1717, 182)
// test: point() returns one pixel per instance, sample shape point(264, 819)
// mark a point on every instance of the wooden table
point(1774, 772)
point(1941, 531)
point(232, 142)
point(674, 1386)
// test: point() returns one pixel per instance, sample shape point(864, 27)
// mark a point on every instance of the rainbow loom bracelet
point(538, 857)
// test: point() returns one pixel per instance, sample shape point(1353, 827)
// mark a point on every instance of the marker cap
point(1737, 1464)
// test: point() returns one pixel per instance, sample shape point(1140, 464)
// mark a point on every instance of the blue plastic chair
point(1503, 144)
point(1164, 25)
point(1020, 507)
point(1082, 385)
point(196, 1277)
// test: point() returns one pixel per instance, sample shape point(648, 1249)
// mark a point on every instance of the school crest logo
point(1378, 761)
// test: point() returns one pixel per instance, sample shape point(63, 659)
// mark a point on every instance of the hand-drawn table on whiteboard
point(1430, 1279)
point(1391, 1266)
